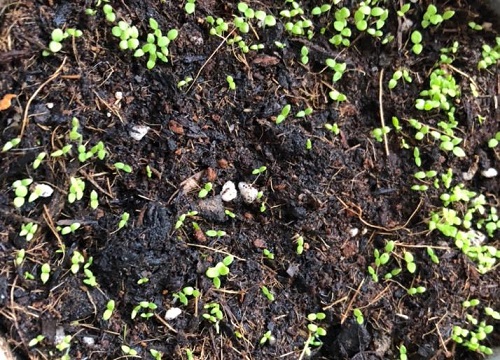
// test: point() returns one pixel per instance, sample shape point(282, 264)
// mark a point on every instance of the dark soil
point(345, 196)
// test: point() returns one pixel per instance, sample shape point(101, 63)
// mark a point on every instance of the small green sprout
point(157, 44)
point(378, 133)
point(109, 13)
point(28, 276)
point(318, 10)
point(124, 219)
point(402, 353)
point(474, 26)
point(142, 281)
point(20, 188)
point(337, 96)
point(309, 144)
point(280, 45)
point(359, 316)
point(333, 128)
point(144, 306)
point(404, 9)
point(69, 229)
point(215, 233)
point(94, 199)
point(45, 273)
point(416, 39)
point(410, 263)
point(268, 254)
point(76, 260)
point(230, 82)
point(431, 16)
point(35, 341)
point(110, 307)
point(38, 160)
point(64, 151)
point(304, 55)
point(77, 186)
point(416, 156)
point(214, 314)
point(90, 279)
point(127, 350)
point(268, 294)
point(20, 254)
point(470, 303)
point(205, 190)
point(398, 74)
point(220, 269)
point(304, 113)
point(267, 338)
point(299, 240)
point(315, 332)
point(338, 67)
point(259, 170)
point(11, 144)
point(28, 230)
point(283, 114)
point(490, 55)
point(493, 142)
point(190, 7)
point(432, 255)
point(124, 167)
point(184, 82)
point(181, 219)
point(418, 290)
point(64, 344)
point(57, 36)
point(183, 295)
point(229, 213)
point(127, 34)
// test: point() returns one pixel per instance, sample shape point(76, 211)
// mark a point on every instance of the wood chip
point(6, 101)
point(265, 60)
point(175, 127)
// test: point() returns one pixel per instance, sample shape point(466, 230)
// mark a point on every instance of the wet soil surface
point(345, 196)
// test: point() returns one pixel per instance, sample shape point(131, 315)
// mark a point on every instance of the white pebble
point(489, 173)
point(43, 190)
point(172, 313)
point(49, 105)
point(228, 192)
point(137, 132)
point(353, 232)
point(248, 192)
point(88, 340)
point(118, 95)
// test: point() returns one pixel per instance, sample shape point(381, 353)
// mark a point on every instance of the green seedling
point(230, 82)
point(124, 167)
point(304, 55)
point(11, 144)
point(416, 39)
point(359, 316)
point(268, 294)
point(215, 233)
point(64, 151)
point(219, 26)
point(35, 341)
point(280, 45)
point(214, 315)
point(416, 290)
point(145, 307)
point(432, 255)
point(404, 9)
point(338, 67)
point(493, 142)
point(337, 96)
point(474, 26)
point(308, 144)
point(28, 276)
point(318, 10)
point(205, 190)
point(402, 353)
point(40, 190)
point(64, 344)
point(38, 161)
point(127, 350)
point(70, 229)
point(45, 273)
point(77, 186)
point(259, 170)
point(229, 213)
point(76, 260)
point(190, 7)
point(57, 36)
point(299, 240)
point(315, 332)
point(142, 281)
point(340, 25)
point(220, 269)
point(399, 74)
point(431, 16)
point(333, 128)
point(94, 199)
point(378, 133)
point(19, 259)
point(124, 219)
point(90, 279)
point(268, 254)
point(410, 262)
point(127, 34)
point(303, 113)
point(182, 218)
point(109, 13)
point(20, 188)
point(183, 295)
point(110, 307)
point(490, 55)
point(184, 82)
point(267, 338)
point(283, 114)
point(28, 230)
point(157, 44)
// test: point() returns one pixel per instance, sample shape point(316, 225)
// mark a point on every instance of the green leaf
point(416, 37)
point(153, 24)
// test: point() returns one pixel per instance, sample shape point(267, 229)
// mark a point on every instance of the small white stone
point(172, 313)
point(248, 192)
point(118, 95)
point(49, 105)
point(228, 192)
point(489, 173)
point(137, 132)
point(60, 334)
point(88, 340)
point(467, 176)
point(353, 232)
point(44, 190)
